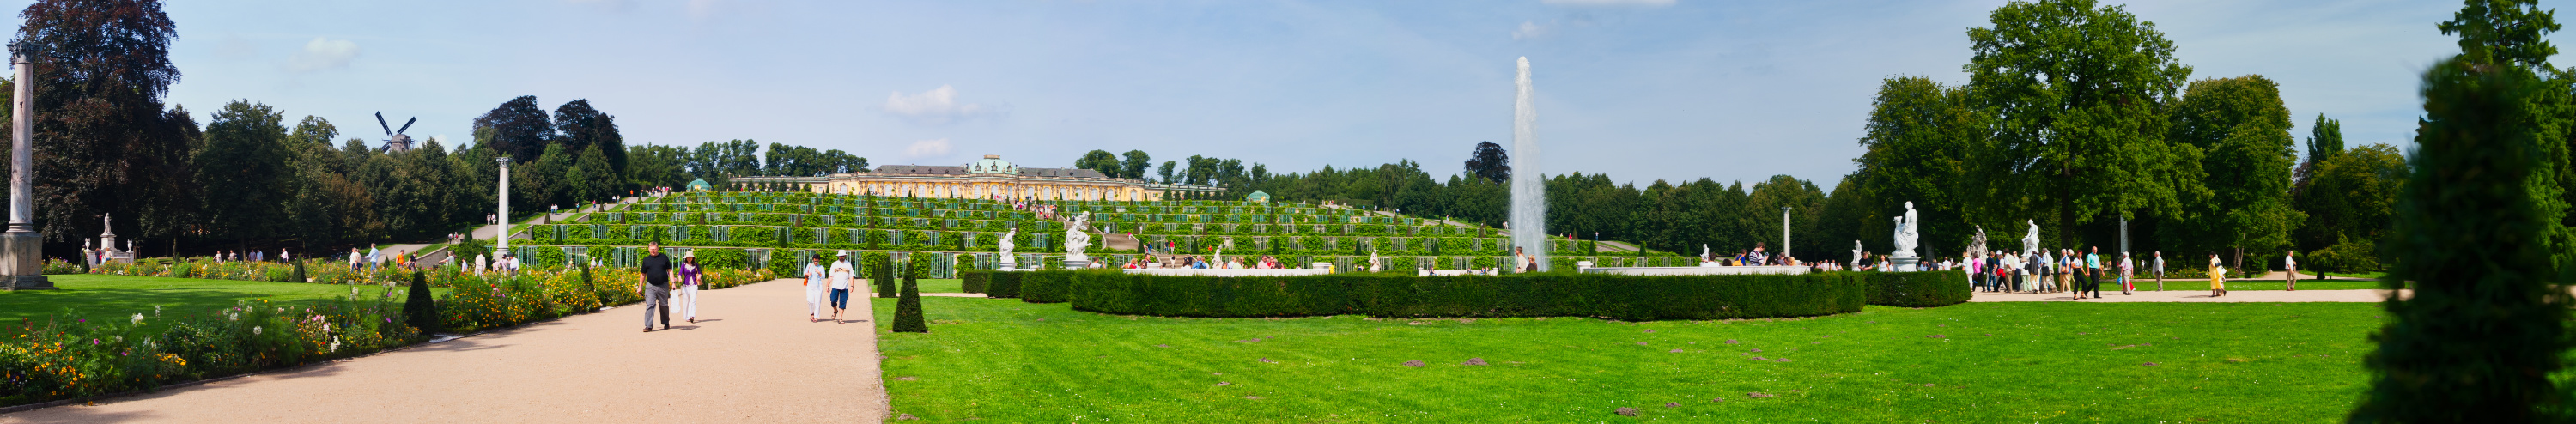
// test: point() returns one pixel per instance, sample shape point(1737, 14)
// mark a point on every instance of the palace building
point(988, 178)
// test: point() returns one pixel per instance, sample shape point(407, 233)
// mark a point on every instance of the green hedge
point(1917, 289)
point(1635, 298)
point(973, 281)
point(1052, 286)
point(880, 271)
point(1004, 285)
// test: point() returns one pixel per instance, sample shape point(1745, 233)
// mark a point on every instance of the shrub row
point(973, 281)
point(1530, 295)
point(1052, 286)
point(1917, 289)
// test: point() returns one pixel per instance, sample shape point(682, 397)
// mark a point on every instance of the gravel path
point(751, 358)
point(2111, 293)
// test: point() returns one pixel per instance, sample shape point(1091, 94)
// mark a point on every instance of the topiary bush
point(880, 271)
point(973, 281)
point(907, 309)
point(1004, 285)
point(1635, 298)
point(1916, 289)
point(1050, 286)
point(418, 308)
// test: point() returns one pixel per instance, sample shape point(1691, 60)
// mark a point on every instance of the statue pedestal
point(22, 262)
point(1071, 263)
point(1905, 263)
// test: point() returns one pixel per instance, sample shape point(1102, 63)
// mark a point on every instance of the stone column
point(504, 234)
point(25, 265)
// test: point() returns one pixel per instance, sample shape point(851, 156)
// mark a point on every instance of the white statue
point(1977, 244)
point(1858, 253)
point(1906, 233)
point(1006, 245)
point(1075, 240)
point(1373, 261)
point(2030, 242)
point(1704, 255)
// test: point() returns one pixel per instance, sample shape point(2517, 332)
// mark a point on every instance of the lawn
point(113, 296)
point(1000, 360)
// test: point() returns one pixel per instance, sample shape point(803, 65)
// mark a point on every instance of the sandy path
point(751, 358)
point(2111, 293)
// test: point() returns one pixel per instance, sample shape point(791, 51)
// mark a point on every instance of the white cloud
point(1651, 3)
point(935, 107)
point(322, 53)
point(1532, 29)
point(927, 149)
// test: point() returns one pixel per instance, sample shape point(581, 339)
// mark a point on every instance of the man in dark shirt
point(655, 285)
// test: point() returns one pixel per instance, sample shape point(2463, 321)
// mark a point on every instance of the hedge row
point(1002, 285)
point(1051, 286)
point(1917, 289)
point(1636, 298)
point(973, 281)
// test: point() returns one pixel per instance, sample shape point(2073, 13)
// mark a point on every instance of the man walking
point(842, 272)
point(655, 285)
point(2159, 268)
point(2093, 271)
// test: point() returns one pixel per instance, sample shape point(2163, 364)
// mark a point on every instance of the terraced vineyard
point(754, 229)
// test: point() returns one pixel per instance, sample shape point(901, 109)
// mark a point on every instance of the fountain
point(1529, 188)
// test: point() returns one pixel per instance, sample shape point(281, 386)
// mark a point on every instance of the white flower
point(335, 343)
point(254, 330)
point(138, 318)
point(156, 310)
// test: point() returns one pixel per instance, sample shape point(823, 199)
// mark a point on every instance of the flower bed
point(75, 357)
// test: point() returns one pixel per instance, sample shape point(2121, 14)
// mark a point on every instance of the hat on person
point(845, 253)
point(691, 255)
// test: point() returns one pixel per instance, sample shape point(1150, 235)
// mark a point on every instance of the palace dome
point(992, 164)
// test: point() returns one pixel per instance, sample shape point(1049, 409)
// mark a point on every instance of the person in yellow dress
point(2217, 277)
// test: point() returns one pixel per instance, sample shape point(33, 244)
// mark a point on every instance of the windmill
point(395, 141)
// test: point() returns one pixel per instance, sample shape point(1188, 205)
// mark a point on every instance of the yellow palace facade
point(988, 178)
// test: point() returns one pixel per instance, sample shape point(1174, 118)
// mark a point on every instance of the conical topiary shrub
point(299, 273)
point(907, 309)
point(419, 309)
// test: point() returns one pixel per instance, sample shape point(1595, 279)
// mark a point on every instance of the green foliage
point(880, 271)
point(2349, 256)
point(2244, 131)
point(907, 309)
point(1053, 286)
point(1916, 289)
point(418, 309)
point(2507, 32)
point(1631, 298)
point(713, 258)
point(2486, 327)
point(2077, 136)
point(1004, 285)
point(973, 281)
point(2351, 196)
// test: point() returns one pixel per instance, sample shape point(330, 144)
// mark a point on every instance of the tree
point(1103, 161)
point(518, 128)
point(2503, 32)
point(1135, 164)
point(2074, 90)
point(579, 126)
point(2350, 198)
point(2485, 329)
point(1490, 162)
point(108, 145)
point(2244, 129)
point(249, 140)
point(1166, 172)
point(1919, 134)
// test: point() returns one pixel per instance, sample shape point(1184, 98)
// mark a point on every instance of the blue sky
point(1638, 89)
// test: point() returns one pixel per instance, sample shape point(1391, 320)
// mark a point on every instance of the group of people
point(1759, 256)
point(654, 285)
point(2047, 271)
point(373, 258)
point(1193, 262)
point(835, 279)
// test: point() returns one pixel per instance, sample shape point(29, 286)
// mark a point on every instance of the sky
point(1638, 89)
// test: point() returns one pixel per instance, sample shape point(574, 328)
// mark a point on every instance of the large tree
point(518, 128)
point(1134, 163)
point(579, 127)
point(107, 145)
point(1918, 137)
point(249, 140)
point(1489, 162)
point(1103, 161)
point(2075, 91)
point(2244, 129)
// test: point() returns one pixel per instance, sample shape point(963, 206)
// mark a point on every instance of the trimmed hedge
point(1917, 289)
point(1052, 286)
point(973, 281)
point(1634, 298)
point(1004, 285)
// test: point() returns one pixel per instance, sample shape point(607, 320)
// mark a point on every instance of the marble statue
point(1907, 235)
point(1858, 254)
point(1006, 245)
point(2030, 241)
point(1704, 255)
point(1075, 240)
point(1977, 243)
point(1373, 260)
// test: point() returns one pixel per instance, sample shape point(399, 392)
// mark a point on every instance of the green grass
point(999, 360)
point(927, 285)
point(115, 296)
